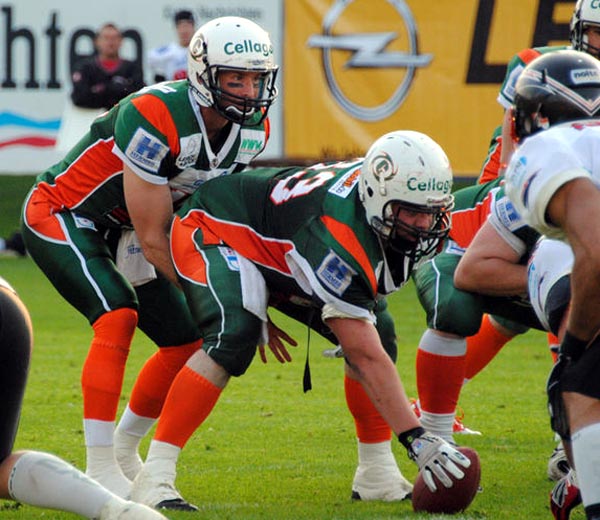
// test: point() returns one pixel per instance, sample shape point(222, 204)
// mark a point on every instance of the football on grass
point(449, 500)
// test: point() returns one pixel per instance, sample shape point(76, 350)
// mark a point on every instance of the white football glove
point(435, 456)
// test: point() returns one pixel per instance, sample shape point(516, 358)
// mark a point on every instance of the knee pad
point(116, 326)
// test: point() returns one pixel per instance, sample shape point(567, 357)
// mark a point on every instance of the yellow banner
point(355, 69)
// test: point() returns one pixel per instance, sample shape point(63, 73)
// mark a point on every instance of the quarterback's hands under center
point(435, 456)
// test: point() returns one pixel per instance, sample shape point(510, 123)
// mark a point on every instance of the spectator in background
point(102, 80)
point(170, 61)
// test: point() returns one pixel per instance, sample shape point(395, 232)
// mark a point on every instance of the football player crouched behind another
point(333, 236)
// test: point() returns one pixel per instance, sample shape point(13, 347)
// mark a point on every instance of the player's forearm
point(156, 251)
point(492, 276)
point(368, 363)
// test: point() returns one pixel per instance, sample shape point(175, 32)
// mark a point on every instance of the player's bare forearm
point(151, 209)
point(368, 363)
point(491, 266)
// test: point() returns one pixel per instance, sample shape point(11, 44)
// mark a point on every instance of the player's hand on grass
point(435, 456)
point(276, 344)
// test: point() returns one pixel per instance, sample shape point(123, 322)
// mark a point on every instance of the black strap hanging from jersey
point(306, 380)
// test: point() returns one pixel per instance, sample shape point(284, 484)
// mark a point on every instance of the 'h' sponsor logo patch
point(146, 151)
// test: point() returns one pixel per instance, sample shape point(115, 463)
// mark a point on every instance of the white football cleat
point(558, 464)
point(377, 476)
point(118, 509)
point(155, 487)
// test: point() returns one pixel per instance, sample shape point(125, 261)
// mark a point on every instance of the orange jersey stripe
point(156, 112)
point(40, 218)
point(269, 252)
point(188, 262)
point(466, 222)
point(89, 171)
point(528, 55)
point(347, 238)
point(267, 124)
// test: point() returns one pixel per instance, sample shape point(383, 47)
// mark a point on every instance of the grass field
point(271, 452)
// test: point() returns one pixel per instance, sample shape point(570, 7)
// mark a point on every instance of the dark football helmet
point(555, 88)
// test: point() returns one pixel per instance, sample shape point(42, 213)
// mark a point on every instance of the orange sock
point(104, 367)
point(156, 376)
point(553, 345)
point(483, 347)
point(189, 402)
point(370, 425)
point(439, 381)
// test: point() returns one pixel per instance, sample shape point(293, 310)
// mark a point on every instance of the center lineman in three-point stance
point(333, 238)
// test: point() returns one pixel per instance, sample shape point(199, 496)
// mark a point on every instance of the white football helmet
point(231, 43)
point(407, 170)
point(586, 13)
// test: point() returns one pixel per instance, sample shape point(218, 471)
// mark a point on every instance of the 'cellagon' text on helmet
point(234, 44)
point(585, 15)
point(407, 170)
point(555, 88)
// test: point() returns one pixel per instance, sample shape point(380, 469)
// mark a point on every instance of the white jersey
point(550, 261)
point(547, 160)
point(169, 61)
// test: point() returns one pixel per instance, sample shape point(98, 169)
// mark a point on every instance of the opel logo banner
point(368, 51)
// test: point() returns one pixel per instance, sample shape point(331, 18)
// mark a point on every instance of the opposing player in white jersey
point(553, 180)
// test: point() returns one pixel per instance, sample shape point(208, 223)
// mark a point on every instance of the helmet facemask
point(409, 240)
point(240, 109)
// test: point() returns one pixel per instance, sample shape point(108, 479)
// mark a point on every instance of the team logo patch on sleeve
point(343, 187)
point(146, 151)
point(83, 222)
point(230, 257)
point(335, 273)
point(508, 215)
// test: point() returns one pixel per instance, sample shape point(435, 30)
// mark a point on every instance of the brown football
point(449, 500)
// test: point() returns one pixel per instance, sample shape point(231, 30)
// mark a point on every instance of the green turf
point(271, 452)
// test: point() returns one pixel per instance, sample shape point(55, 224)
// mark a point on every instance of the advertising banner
point(40, 41)
point(351, 70)
point(355, 69)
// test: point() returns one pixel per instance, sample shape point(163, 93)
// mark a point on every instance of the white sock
point(162, 451)
point(127, 437)
point(375, 453)
point(98, 433)
point(586, 452)
point(438, 423)
point(44, 480)
point(134, 424)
